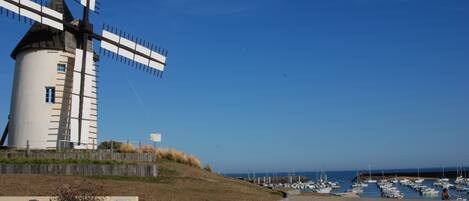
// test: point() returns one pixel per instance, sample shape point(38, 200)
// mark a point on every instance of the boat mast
point(369, 170)
point(418, 173)
point(443, 169)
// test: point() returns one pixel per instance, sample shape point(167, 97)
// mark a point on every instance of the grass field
point(177, 182)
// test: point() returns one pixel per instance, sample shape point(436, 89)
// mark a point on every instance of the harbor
point(425, 184)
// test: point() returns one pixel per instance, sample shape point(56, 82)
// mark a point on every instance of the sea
point(345, 179)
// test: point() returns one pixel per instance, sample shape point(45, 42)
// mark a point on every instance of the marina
point(427, 184)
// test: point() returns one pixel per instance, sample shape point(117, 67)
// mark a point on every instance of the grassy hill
point(176, 182)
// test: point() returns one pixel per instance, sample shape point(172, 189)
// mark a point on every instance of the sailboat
point(443, 182)
point(359, 183)
point(395, 180)
point(323, 186)
point(370, 180)
point(419, 180)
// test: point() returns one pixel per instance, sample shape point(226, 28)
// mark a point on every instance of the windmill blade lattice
point(33, 11)
point(119, 45)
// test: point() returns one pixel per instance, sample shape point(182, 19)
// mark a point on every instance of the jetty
point(409, 174)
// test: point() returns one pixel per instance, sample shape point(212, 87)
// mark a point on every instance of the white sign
point(155, 137)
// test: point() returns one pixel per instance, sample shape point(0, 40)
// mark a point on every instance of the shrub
point(208, 168)
point(84, 191)
point(107, 145)
point(126, 148)
point(194, 162)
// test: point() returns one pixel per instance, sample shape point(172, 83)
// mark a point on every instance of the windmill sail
point(133, 51)
point(92, 4)
point(89, 118)
point(34, 11)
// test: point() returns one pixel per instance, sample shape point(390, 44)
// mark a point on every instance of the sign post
point(155, 137)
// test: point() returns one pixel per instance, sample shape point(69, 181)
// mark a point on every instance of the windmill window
point(61, 67)
point(50, 95)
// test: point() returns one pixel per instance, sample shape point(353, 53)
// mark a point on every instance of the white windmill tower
point(54, 97)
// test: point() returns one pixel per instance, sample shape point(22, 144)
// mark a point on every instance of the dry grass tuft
point(127, 148)
point(179, 157)
point(168, 154)
point(146, 150)
point(208, 168)
point(194, 162)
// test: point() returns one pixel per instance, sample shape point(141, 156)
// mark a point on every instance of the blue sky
point(279, 85)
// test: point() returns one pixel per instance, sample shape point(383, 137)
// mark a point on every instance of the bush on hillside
point(107, 145)
point(208, 168)
point(167, 154)
point(146, 150)
point(194, 162)
point(126, 148)
point(84, 191)
point(179, 157)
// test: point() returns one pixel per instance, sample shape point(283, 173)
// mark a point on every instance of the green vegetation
point(107, 145)
point(168, 154)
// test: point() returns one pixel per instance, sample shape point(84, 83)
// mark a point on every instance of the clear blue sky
point(277, 85)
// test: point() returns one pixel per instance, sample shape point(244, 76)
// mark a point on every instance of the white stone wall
point(31, 118)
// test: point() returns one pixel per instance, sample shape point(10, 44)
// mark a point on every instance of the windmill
point(54, 97)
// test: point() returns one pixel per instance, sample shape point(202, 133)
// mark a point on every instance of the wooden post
point(27, 148)
point(112, 149)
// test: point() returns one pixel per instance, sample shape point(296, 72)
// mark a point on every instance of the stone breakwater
point(426, 175)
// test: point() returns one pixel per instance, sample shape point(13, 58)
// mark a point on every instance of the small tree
point(84, 191)
point(208, 168)
point(107, 145)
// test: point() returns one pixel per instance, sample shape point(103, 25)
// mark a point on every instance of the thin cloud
point(137, 96)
